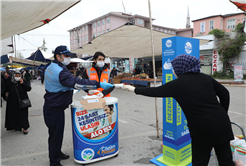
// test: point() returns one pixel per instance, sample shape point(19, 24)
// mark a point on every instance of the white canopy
point(22, 15)
point(78, 60)
point(127, 41)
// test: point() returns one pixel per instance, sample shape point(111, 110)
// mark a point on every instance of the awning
point(4, 59)
point(41, 55)
point(24, 61)
point(241, 4)
point(127, 41)
point(22, 16)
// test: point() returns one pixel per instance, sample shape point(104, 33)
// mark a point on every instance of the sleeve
point(105, 92)
point(26, 86)
point(223, 94)
point(165, 90)
point(68, 80)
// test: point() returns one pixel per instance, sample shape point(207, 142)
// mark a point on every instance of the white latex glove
point(129, 88)
point(100, 95)
point(93, 91)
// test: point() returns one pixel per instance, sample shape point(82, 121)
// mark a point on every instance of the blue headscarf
point(184, 64)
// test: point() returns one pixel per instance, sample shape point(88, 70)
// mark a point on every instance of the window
point(98, 24)
point(108, 20)
point(161, 30)
point(74, 41)
point(83, 39)
point(103, 31)
point(211, 25)
point(165, 31)
point(71, 33)
point(71, 41)
point(94, 25)
point(74, 33)
point(169, 32)
point(231, 24)
point(139, 21)
point(108, 30)
point(173, 32)
point(103, 22)
point(86, 38)
point(132, 21)
point(94, 35)
point(98, 34)
point(83, 29)
point(221, 24)
point(86, 28)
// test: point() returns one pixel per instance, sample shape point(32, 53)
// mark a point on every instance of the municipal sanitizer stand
point(176, 136)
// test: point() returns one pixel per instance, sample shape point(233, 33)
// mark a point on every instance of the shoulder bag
point(25, 103)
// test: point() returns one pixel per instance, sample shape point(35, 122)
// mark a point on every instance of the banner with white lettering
point(95, 132)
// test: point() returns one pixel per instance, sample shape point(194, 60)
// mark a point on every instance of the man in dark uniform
point(59, 84)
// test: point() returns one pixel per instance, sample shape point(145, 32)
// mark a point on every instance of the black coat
point(16, 118)
point(2, 90)
point(208, 119)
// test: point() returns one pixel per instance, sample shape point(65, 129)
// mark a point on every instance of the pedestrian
point(10, 74)
point(207, 117)
point(59, 84)
point(16, 118)
point(28, 77)
point(42, 75)
point(3, 88)
point(114, 72)
point(99, 72)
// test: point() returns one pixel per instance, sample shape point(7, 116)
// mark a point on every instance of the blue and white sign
point(176, 135)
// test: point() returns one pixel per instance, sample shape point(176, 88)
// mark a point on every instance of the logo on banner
point(167, 65)
point(87, 154)
point(188, 47)
point(169, 43)
point(106, 149)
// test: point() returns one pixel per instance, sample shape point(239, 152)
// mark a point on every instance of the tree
point(229, 47)
point(19, 55)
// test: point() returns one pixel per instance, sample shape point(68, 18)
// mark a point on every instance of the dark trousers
point(201, 154)
point(54, 120)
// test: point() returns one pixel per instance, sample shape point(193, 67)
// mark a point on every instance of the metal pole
point(15, 52)
point(33, 64)
point(153, 60)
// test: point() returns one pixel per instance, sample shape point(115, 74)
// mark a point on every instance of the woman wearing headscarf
point(208, 119)
point(16, 118)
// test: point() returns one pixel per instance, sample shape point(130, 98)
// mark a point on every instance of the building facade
point(225, 22)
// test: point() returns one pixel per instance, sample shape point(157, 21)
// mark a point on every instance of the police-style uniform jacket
point(103, 75)
point(59, 84)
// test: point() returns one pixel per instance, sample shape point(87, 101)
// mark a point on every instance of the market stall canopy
point(22, 16)
point(78, 60)
point(4, 59)
point(6, 46)
point(127, 41)
point(25, 61)
point(41, 55)
point(241, 4)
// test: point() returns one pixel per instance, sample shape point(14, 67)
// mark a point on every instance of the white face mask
point(66, 61)
point(17, 78)
point(100, 63)
point(175, 74)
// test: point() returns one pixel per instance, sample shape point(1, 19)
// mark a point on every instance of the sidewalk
point(231, 82)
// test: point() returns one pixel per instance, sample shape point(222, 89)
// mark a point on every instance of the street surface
point(137, 130)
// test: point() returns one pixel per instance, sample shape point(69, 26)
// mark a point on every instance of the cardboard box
point(91, 104)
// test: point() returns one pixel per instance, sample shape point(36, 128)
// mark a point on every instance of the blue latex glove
point(105, 85)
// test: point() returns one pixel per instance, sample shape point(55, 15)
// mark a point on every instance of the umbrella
point(241, 4)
